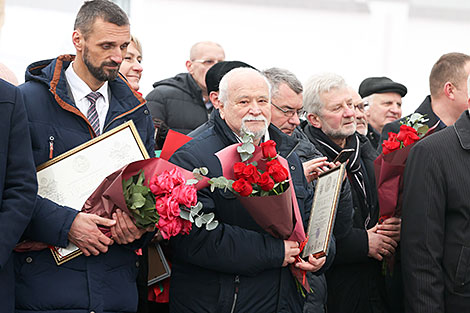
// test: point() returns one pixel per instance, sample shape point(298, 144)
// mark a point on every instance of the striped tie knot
point(92, 114)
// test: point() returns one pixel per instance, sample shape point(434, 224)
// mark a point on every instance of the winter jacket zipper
point(235, 296)
point(51, 147)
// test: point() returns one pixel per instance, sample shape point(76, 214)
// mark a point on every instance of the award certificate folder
point(323, 213)
point(158, 265)
point(70, 178)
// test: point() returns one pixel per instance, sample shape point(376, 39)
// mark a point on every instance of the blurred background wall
point(400, 39)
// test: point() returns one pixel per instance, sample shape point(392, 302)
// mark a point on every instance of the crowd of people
point(238, 266)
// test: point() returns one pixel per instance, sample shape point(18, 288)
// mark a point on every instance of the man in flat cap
point(384, 98)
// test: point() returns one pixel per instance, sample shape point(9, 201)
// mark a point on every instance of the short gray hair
point(105, 9)
point(318, 84)
point(223, 85)
point(278, 76)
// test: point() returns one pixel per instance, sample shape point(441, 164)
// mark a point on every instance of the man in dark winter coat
point(237, 267)
point(286, 110)
point(182, 102)
point(18, 185)
point(448, 99)
point(61, 117)
point(354, 280)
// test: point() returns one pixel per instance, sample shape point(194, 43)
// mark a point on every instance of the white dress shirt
point(80, 90)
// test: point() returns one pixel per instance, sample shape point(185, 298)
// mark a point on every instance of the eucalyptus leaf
point(192, 181)
point(212, 225)
point(207, 218)
point(185, 215)
point(198, 221)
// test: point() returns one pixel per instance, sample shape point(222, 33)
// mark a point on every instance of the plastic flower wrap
point(154, 192)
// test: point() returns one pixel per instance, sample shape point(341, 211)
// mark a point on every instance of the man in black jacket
point(237, 267)
point(448, 99)
point(354, 281)
point(182, 102)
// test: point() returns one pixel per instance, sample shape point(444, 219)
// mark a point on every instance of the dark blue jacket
point(104, 283)
point(18, 185)
point(208, 266)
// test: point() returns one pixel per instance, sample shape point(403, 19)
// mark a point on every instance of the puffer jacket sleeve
point(157, 103)
point(50, 222)
point(244, 251)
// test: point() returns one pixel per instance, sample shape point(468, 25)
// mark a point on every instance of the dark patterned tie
point(92, 114)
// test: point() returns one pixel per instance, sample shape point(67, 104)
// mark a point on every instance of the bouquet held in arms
point(155, 193)
point(261, 181)
point(390, 165)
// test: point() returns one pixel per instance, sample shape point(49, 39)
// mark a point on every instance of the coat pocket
point(462, 274)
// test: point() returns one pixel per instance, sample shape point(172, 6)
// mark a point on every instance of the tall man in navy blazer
point(17, 185)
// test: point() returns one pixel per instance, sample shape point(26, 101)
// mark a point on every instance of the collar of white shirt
point(80, 90)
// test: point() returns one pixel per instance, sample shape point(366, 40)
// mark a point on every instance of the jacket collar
point(462, 128)
point(425, 108)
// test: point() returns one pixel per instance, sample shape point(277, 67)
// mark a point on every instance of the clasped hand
point(86, 235)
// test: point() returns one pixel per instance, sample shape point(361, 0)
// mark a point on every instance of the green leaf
point(207, 218)
point(185, 215)
point(196, 209)
point(192, 181)
point(138, 200)
point(198, 221)
point(212, 225)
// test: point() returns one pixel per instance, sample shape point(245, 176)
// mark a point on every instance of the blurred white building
point(354, 38)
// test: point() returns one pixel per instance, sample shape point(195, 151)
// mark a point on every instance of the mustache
point(254, 118)
point(110, 63)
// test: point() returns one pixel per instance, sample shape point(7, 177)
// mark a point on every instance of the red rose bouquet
point(153, 192)
point(390, 165)
point(262, 183)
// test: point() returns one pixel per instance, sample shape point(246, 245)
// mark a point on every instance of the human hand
point(125, 231)
point(380, 245)
point(313, 168)
point(85, 234)
point(391, 227)
point(291, 250)
point(312, 265)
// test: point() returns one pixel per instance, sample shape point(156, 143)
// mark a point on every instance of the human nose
point(117, 55)
point(137, 67)
point(295, 120)
point(348, 111)
point(395, 108)
point(255, 108)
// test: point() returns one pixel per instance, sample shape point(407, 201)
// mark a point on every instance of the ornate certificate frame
point(323, 213)
point(70, 178)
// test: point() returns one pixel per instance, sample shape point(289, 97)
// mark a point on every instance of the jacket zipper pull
point(235, 296)
point(51, 147)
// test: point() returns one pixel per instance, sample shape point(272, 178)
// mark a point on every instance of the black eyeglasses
point(361, 106)
point(290, 112)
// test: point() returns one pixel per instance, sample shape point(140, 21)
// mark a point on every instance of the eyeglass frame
point(290, 112)
point(208, 62)
point(365, 105)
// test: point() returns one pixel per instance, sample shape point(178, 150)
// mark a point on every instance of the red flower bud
point(277, 171)
point(266, 182)
point(243, 187)
point(269, 149)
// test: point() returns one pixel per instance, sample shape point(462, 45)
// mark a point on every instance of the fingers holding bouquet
point(312, 265)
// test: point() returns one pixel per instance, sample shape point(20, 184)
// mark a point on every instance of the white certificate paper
point(72, 177)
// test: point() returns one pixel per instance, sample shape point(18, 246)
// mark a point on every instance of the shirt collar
point(79, 88)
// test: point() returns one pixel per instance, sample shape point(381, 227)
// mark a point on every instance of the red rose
point(167, 207)
point(243, 187)
point(407, 135)
point(269, 149)
point(389, 146)
point(169, 228)
point(185, 195)
point(251, 174)
point(266, 182)
point(277, 171)
point(161, 184)
point(238, 169)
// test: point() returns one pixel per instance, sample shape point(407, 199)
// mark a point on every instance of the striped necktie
point(92, 114)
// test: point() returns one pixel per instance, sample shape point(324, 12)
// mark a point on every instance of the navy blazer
point(18, 185)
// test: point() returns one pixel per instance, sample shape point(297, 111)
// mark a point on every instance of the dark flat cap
point(373, 85)
point(215, 73)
